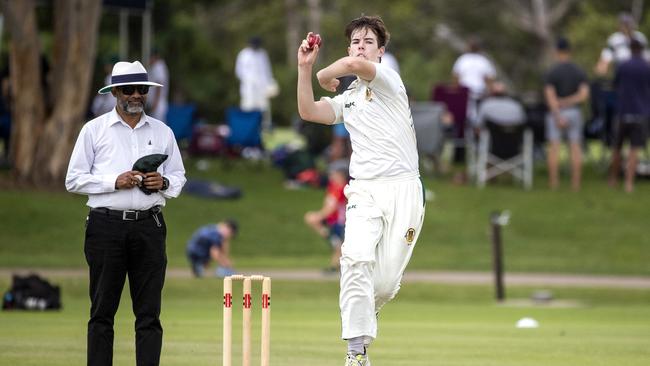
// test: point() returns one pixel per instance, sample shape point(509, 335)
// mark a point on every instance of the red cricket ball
point(313, 39)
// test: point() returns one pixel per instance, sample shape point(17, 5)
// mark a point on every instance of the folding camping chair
point(505, 149)
point(181, 118)
point(429, 130)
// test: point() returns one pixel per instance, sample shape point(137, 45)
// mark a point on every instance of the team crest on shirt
point(410, 236)
point(368, 94)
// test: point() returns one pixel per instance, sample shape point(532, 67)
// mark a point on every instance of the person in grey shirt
point(565, 88)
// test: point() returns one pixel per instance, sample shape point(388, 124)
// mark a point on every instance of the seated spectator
point(341, 147)
point(455, 98)
point(212, 243)
point(329, 221)
point(500, 108)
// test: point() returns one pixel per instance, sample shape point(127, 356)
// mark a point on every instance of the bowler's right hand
point(307, 56)
point(128, 180)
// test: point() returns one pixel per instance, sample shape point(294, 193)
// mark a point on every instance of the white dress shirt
point(107, 147)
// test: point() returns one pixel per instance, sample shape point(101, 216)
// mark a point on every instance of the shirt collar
point(114, 117)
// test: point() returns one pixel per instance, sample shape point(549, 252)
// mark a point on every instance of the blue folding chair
point(245, 128)
point(180, 118)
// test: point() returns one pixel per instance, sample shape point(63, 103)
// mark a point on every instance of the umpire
point(125, 228)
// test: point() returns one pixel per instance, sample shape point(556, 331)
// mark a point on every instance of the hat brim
point(107, 88)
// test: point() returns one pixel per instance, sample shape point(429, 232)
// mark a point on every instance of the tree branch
point(558, 12)
point(444, 33)
point(521, 15)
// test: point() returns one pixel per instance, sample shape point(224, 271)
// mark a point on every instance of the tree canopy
point(200, 41)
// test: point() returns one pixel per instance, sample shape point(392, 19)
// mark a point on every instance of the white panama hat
point(128, 73)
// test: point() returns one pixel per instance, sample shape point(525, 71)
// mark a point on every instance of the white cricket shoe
point(358, 360)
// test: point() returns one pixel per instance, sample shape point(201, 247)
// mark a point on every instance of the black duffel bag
point(31, 292)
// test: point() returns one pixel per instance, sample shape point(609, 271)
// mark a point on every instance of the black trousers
point(115, 248)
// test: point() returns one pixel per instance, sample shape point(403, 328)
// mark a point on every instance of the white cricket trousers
point(383, 221)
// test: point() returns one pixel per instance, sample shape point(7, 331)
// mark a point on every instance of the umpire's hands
point(130, 179)
point(153, 181)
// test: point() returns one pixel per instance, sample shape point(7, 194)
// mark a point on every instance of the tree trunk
point(315, 15)
point(42, 144)
point(75, 33)
point(293, 31)
point(28, 110)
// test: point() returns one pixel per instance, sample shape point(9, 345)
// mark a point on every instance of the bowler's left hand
point(328, 84)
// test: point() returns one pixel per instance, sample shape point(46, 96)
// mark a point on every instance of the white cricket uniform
point(253, 68)
point(385, 207)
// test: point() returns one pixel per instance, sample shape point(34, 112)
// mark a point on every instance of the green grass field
point(426, 325)
point(596, 231)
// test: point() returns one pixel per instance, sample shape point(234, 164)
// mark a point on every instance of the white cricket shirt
point(107, 147)
point(378, 117)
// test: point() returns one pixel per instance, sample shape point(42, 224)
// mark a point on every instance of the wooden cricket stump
point(265, 353)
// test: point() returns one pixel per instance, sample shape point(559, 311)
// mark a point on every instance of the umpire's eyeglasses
point(130, 89)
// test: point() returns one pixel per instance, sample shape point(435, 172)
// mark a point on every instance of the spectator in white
point(390, 61)
point(256, 83)
point(500, 108)
point(158, 100)
point(618, 44)
point(476, 72)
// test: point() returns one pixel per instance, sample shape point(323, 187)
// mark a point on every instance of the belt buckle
point(129, 215)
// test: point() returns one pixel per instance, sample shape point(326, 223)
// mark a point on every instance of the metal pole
point(497, 255)
point(147, 29)
point(124, 35)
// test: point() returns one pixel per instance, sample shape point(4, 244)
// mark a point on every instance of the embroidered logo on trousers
point(410, 236)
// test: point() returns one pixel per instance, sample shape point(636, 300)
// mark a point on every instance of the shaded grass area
point(598, 230)
point(425, 325)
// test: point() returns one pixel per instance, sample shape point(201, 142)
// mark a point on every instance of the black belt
point(128, 215)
